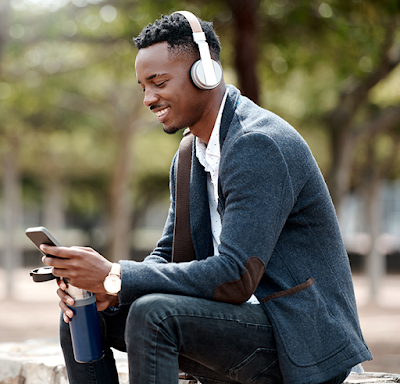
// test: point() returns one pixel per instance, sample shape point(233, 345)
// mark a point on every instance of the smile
point(162, 112)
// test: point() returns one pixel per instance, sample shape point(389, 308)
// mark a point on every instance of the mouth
point(162, 114)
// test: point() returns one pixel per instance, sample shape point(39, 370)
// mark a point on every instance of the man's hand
point(83, 267)
point(103, 301)
point(65, 299)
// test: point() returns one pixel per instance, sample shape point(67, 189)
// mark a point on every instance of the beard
point(171, 130)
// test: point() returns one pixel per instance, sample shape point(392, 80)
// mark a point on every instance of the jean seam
point(214, 318)
point(210, 379)
point(93, 373)
point(152, 379)
point(233, 372)
point(269, 366)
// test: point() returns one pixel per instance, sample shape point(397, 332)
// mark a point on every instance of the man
point(269, 297)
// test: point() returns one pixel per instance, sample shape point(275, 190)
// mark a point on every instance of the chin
point(171, 130)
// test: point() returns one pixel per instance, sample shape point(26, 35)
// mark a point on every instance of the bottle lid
point(42, 274)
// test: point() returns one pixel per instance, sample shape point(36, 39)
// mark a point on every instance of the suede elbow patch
point(239, 291)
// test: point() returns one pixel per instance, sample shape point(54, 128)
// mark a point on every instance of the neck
point(203, 128)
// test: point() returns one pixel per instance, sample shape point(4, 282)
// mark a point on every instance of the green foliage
point(66, 71)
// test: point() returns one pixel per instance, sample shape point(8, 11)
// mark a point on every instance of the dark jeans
point(215, 342)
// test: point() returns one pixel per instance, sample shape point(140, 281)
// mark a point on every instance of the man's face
point(168, 90)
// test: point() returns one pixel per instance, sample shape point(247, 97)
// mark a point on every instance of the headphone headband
point(193, 21)
point(199, 38)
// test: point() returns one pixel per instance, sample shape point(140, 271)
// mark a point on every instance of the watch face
point(112, 284)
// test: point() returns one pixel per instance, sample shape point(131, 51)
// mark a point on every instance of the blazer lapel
point(232, 101)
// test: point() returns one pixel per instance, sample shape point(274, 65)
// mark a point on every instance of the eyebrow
point(153, 76)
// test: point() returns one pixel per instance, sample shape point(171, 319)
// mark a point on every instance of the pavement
point(32, 312)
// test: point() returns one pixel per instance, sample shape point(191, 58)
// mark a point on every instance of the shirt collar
point(213, 147)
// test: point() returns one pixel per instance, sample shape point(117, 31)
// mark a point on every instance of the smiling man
point(267, 296)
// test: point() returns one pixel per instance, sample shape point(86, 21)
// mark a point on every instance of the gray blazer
point(280, 240)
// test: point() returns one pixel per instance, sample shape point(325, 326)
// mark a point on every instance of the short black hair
point(176, 31)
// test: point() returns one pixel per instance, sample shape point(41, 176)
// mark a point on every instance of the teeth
point(160, 113)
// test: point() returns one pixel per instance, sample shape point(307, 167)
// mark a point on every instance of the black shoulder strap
point(182, 248)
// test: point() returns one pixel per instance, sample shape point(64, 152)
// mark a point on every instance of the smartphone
point(40, 235)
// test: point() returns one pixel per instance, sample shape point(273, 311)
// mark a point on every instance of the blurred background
point(81, 155)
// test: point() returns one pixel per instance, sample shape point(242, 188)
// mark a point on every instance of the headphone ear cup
point(198, 78)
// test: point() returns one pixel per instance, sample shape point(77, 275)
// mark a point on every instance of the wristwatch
point(112, 283)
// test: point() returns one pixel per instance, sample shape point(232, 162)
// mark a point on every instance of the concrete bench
point(41, 361)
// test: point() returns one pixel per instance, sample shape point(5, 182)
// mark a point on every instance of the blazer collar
point(232, 101)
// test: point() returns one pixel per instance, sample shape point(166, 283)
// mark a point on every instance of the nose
point(149, 98)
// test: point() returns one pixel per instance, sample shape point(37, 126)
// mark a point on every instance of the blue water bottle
point(84, 326)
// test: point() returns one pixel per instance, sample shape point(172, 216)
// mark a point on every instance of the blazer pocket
point(304, 325)
point(290, 291)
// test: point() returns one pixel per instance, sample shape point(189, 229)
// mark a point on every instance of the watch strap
point(115, 269)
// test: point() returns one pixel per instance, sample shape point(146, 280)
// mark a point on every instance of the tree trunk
point(120, 199)
point(12, 215)
point(54, 206)
point(339, 176)
point(374, 174)
point(125, 105)
point(375, 266)
point(245, 46)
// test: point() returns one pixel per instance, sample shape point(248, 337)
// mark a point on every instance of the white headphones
point(205, 73)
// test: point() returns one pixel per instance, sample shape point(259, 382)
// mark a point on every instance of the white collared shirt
point(209, 157)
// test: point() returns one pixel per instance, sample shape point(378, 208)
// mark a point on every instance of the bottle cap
point(42, 274)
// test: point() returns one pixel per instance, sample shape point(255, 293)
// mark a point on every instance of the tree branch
point(382, 122)
point(391, 159)
point(356, 93)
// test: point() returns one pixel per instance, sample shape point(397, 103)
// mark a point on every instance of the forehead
point(159, 50)
point(155, 58)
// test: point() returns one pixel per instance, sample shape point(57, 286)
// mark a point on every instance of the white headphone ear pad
point(198, 78)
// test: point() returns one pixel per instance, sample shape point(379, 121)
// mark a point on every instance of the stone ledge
point(40, 361)
point(372, 377)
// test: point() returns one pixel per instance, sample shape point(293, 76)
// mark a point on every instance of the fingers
point(57, 256)
point(101, 306)
point(68, 314)
point(65, 299)
point(61, 283)
point(64, 258)
point(83, 248)
point(56, 251)
point(103, 301)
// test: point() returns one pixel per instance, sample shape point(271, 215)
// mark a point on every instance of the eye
point(160, 84)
